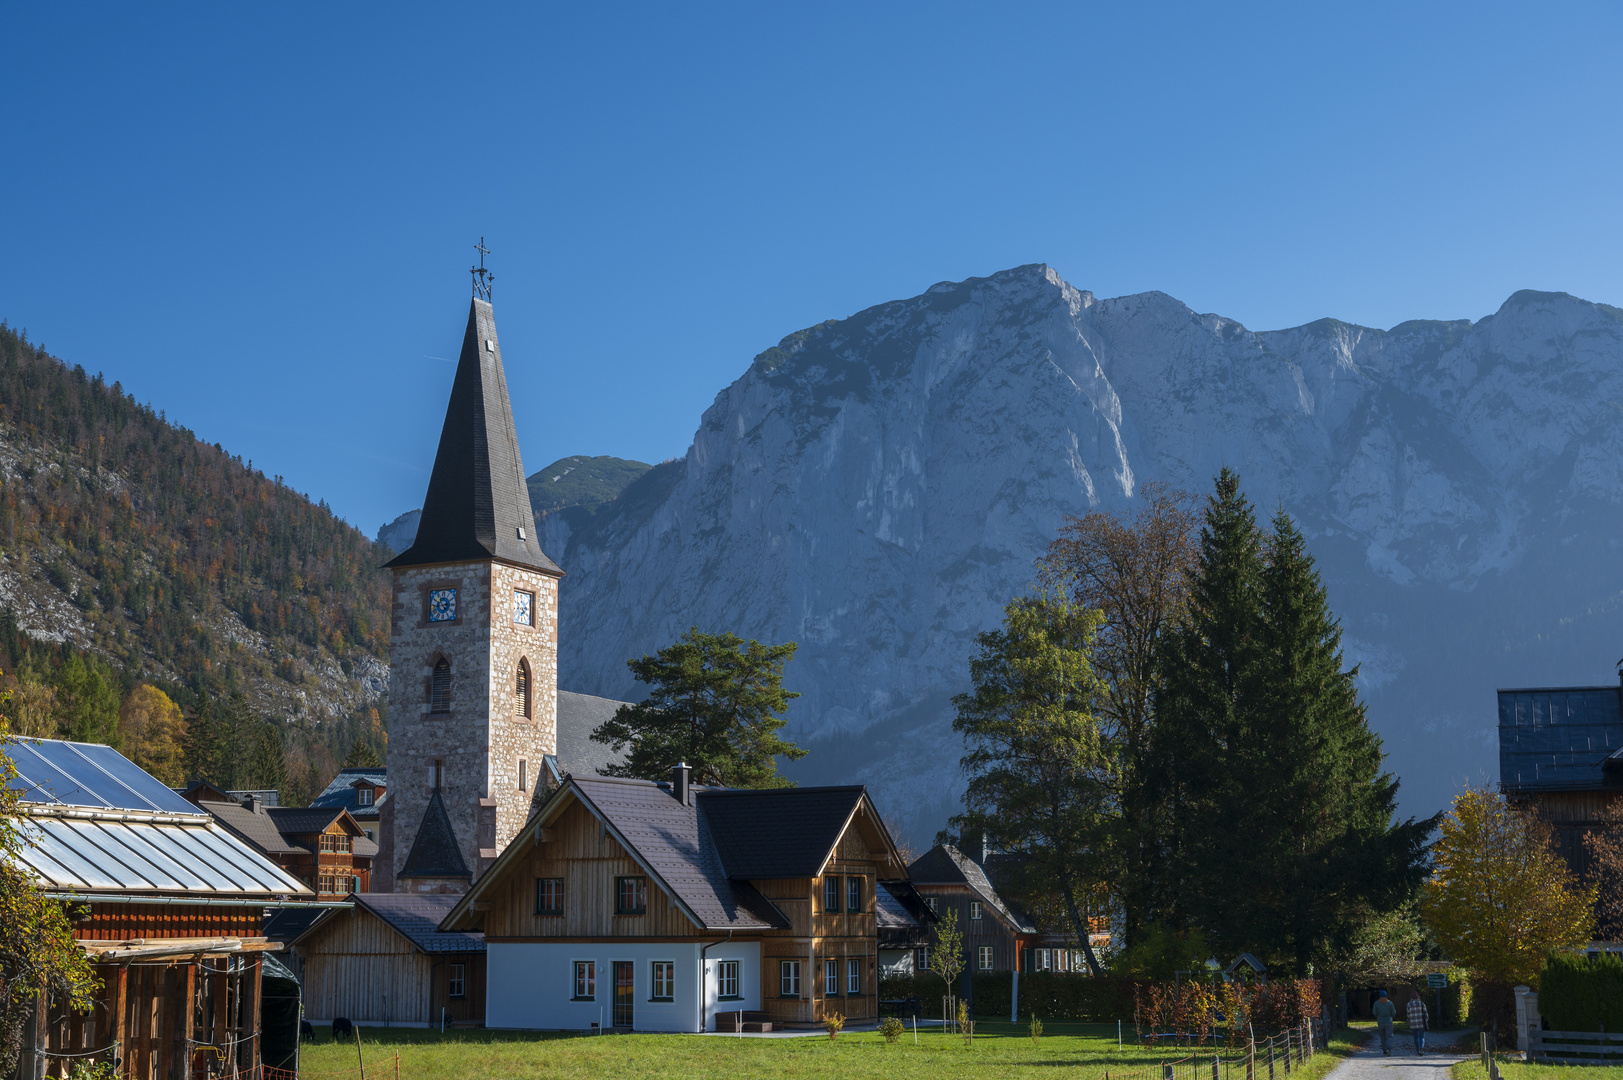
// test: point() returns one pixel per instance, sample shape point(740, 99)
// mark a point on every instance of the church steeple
point(478, 505)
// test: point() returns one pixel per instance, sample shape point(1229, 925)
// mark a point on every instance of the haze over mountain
point(876, 488)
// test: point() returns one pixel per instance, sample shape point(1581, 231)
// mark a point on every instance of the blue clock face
point(524, 608)
point(442, 605)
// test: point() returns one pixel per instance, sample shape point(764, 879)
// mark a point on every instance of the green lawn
point(1471, 1069)
point(1000, 1051)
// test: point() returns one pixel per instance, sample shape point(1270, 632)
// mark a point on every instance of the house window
point(521, 690)
point(853, 894)
point(831, 894)
point(631, 896)
point(363, 796)
point(335, 842)
point(789, 978)
point(727, 980)
point(853, 977)
point(439, 687)
point(442, 605)
point(974, 909)
point(986, 958)
point(549, 896)
point(457, 985)
point(328, 884)
point(921, 960)
point(664, 980)
point(831, 978)
point(585, 980)
point(523, 608)
point(930, 900)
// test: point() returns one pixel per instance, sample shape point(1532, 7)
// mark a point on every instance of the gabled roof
point(305, 820)
point(704, 854)
point(435, 852)
point(946, 865)
point(778, 832)
point(344, 782)
point(258, 829)
point(417, 919)
point(478, 505)
point(900, 907)
point(1555, 739)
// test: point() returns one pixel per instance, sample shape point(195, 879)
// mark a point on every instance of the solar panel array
point(1558, 738)
point(88, 774)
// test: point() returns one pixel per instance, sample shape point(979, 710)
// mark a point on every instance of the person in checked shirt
point(1417, 1017)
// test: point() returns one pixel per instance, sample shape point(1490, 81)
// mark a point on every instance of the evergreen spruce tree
point(1279, 836)
point(1203, 704)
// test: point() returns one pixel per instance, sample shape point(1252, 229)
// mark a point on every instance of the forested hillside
point(131, 553)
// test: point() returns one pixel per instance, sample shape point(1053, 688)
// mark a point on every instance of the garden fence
point(1576, 1047)
point(1273, 1058)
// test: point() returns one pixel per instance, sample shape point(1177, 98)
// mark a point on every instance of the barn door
point(624, 991)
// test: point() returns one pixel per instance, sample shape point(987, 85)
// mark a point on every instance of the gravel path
point(1443, 1049)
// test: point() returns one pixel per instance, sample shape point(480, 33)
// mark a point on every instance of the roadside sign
point(1436, 982)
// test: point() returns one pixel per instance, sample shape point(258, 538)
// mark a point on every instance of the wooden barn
point(384, 961)
point(169, 906)
point(632, 905)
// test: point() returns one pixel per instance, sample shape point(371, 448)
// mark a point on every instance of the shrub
point(1036, 1029)
point(1580, 994)
point(834, 1022)
point(892, 1029)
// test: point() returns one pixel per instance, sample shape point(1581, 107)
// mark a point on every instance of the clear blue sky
point(259, 217)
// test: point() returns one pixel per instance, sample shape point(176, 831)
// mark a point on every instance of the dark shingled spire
point(435, 853)
point(478, 506)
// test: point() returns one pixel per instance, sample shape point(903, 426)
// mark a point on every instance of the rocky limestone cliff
point(877, 487)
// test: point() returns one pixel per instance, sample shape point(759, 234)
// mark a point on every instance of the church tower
point(473, 640)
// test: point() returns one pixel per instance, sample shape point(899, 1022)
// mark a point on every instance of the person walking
point(1417, 1016)
point(1385, 1012)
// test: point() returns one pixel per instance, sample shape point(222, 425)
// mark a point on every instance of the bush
point(1493, 1008)
point(1579, 994)
point(892, 1029)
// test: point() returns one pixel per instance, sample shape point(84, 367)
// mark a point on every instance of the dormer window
point(363, 796)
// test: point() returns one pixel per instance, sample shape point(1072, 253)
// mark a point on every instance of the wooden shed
point(385, 962)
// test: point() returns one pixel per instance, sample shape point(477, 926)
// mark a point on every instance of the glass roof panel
point(117, 779)
point(41, 780)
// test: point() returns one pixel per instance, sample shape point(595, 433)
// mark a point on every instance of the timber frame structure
point(166, 904)
point(633, 905)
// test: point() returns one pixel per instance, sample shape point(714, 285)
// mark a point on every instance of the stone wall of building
point(477, 745)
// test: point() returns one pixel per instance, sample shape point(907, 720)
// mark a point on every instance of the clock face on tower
point(524, 608)
point(442, 605)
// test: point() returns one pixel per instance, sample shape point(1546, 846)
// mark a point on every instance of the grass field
point(1471, 1069)
point(1000, 1051)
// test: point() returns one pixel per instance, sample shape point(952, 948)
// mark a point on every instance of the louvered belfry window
point(439, 688)
point(521, 694)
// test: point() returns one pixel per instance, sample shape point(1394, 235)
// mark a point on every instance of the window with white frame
point(974, 909)
point(727, 980)
point(921, 959)
point(831, 977)
point(363, 796)
point(789, 978)
point(930, 900)
point(986, 958)
point(585, 980)
point(664, 980)
point(853, 976)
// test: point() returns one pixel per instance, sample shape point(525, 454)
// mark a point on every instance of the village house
point(324, 847)
point(999, 934)
point(1561, 753)
point(361, 790)
point(168, 904)
point(642, 906)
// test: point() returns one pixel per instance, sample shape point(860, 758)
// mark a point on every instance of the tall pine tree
point(1280, 837)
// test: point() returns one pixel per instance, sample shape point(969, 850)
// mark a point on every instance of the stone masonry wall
point(483, 737)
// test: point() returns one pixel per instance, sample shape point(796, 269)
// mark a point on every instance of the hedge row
point(1579, 994)
point(1052, 995)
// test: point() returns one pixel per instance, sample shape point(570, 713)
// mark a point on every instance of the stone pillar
point(1528, 1020)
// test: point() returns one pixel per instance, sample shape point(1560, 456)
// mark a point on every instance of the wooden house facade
point(166, 903)
point(384, 961)
point(630, 905)
point(1561, 753)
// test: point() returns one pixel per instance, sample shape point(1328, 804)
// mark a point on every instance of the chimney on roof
point(973, 844)
point(251, 803)
point(681, 776)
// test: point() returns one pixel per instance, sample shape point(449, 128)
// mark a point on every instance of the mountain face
point(876, 488)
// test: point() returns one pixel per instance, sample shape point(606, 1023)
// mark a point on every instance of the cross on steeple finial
point(481, 277)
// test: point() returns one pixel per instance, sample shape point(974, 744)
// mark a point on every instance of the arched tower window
point(439, 687)
point(521, 690)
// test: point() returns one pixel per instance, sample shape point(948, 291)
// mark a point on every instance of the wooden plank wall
point(581, 852)
point(359, 968)
point(154, 922)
